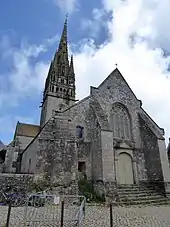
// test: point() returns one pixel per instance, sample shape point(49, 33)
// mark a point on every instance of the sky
point(134, 34)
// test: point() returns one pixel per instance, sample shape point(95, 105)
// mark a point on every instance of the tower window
point(52, 89)
point(62, 81)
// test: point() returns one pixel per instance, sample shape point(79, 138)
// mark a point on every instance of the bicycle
point(15, 199)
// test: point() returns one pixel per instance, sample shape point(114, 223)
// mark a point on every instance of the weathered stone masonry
point(117, 142)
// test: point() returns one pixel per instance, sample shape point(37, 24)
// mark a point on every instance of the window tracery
point(121, 124)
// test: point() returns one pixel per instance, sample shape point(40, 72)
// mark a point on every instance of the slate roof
point(28, 130)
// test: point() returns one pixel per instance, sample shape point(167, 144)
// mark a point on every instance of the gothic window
point(120, 122)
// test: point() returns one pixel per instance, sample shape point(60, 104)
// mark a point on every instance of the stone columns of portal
point(107, 156)
point(165, 165)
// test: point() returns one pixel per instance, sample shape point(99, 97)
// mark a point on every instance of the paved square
point(96, 216)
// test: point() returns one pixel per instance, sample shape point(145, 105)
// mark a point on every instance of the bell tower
point(59, 91)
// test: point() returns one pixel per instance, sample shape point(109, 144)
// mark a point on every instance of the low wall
point(28, 183)
point(20, 181)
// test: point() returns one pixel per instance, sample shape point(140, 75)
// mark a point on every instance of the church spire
point(63, 40)
point(59, 92)
point(61, 63)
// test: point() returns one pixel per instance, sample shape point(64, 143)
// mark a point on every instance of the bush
point(86, 189)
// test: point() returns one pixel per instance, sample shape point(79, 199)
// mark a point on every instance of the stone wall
point(29, 159)
point(151, 152)
point(77, 114)
point(84, 154)
point(114, 89)
point(28, 184)
point(20, 181)
point(11, 155)
point(140, 164)
point(84, 114)
point(96, 146)
point(56, 154)
point(108, 189)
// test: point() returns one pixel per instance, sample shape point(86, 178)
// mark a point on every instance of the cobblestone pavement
point(96, 216)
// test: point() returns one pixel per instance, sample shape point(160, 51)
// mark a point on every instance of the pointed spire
point(71, 64)
point(63, 40)
point(61, 63)
point(71, 75)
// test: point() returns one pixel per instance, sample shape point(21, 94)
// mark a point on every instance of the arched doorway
point(125, 169)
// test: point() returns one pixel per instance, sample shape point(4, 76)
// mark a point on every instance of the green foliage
point(86, 189)
point(40, 186)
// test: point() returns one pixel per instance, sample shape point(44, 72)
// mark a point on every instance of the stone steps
point(146, 202)
point(143, 197)
point(142, 190)
point(139, 195)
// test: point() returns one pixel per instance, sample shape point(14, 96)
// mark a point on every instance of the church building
point(106, 137)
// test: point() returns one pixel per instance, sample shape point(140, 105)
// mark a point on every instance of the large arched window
point(120, 121)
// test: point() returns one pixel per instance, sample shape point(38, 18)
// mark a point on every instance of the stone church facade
point(107, 137)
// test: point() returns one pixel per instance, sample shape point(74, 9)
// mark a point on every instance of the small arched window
point(56, 89)
point(52, 88)
point(60, 89)
point(62, 81)
point(79, 131)
point(120, 121)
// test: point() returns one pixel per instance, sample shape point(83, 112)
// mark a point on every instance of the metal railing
point(52, 210)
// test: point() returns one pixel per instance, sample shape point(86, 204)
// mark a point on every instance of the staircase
point(139, 195)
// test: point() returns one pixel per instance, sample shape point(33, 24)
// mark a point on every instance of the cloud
point(67, 6)
point(96, 24)
point(138, 36)
point(26, 78)
point(143, 64)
